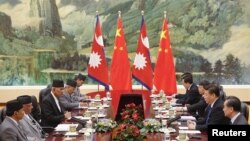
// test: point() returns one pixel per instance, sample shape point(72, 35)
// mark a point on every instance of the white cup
point(167, 105)
point(171, 112)
point(182, 135)
point(164, 123)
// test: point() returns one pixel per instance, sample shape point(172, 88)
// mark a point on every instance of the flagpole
point(142, 14)
point(165, 14)
point(98, 87)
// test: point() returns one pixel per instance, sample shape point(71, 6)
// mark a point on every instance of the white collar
point(234, 117)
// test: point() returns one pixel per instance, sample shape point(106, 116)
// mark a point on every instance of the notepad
point(187, 118)
point(64, 127)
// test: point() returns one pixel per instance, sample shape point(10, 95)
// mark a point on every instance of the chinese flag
point(164, 72)
point(97, 67)
point(120, 73)
point(142, 70)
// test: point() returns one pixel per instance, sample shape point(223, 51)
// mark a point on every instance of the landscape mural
point(41, 40)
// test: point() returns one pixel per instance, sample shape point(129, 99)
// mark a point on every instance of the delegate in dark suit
point(216, 116)
point(214, 112)
point(191, 96)
point(52, 111)
point(51, 115)
point(198, 107)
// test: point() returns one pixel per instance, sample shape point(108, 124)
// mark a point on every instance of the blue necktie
point(209, 108)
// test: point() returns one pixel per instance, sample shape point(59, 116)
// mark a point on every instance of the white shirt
point(57, 102)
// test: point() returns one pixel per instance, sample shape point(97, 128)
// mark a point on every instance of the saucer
point(71, 134)
point(92, 108)
point(187, 138)
point(68, 139)
point(86, 130)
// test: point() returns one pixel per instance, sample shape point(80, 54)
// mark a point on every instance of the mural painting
point(41, 40)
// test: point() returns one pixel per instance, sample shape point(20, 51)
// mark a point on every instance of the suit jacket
point(192, 96)
point(69, 101)
point(216, 116)
point(240, 120)
point(77, 92)
point(9, 131)
point(198, 109)
point(51, 115)
point(32, 129)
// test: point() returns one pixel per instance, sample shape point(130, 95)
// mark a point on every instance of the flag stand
point(98, 87)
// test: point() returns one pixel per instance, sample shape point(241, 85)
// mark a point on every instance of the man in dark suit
point(30, 126)
point(192, 95)
point(52, 111)
point(214, 112)
point(232, 108)
point(10, 129)
point(197, 109)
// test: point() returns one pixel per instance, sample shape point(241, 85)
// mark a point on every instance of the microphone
point(82, 122)
point(173, 119)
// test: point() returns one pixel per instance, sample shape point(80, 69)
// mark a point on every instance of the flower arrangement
point(150, 126)
point(132, 114)
point(105, 125)
point(126, 132)
point(131, 122)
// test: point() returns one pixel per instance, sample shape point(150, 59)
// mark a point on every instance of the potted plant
point(103, 129)
point(151, 130)
point(132, 114)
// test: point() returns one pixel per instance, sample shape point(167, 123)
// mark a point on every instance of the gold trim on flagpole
point(142, 12)
point(119, 13)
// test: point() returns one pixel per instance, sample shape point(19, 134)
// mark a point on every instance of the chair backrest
point(43, 93)
point(245, 110)
point(36, 111)
point(127, 99)
point(2, 114)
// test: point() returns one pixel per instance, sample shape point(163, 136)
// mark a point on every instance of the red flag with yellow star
point(164, 72)
point(120, 73)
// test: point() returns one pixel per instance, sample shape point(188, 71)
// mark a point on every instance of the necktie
point(230, 123)
point(37, 125)
point(209, 109)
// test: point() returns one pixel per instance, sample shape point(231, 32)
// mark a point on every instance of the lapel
point(18, 128)
point(29, 122)
point(53, 102)
point(67, 96)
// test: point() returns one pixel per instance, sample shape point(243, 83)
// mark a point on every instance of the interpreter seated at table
point(197, 109)
point(52, 111)
point(69, 101)
point(80, 79)
point(232, 108)
point(214, 111)
point(192, 95)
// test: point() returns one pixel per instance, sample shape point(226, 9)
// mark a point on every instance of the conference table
point(111, 112)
